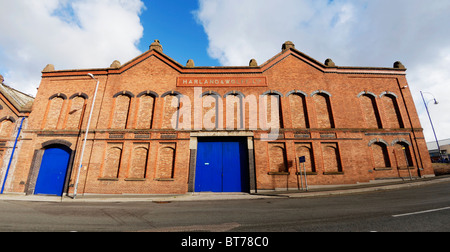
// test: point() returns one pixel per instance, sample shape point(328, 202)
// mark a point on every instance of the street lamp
point(86, 135)
point(429, 116)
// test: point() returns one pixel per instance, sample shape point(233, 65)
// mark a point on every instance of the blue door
point(52, 173)
point(222, 166)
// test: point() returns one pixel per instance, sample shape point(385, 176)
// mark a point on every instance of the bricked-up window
point(277, 157)
point(139, 161)
point(403, 155)
point(171, 111)
point(270, 104)
point(370, 111)
point(331, 158)
point(52, 117)
point(323, 111)
point(380, 155)
point(393, 117)
point(299, 113)
point(121, 112)
point(305, 150)
point(234, 112)
point(6, 128)
point(145, 112)
point(166, 161)
point(113, 158)
point(212, 111)
point(76, 111)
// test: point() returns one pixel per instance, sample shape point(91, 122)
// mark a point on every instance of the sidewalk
point(313, 191)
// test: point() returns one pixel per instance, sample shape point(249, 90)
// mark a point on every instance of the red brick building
point(15, 108)
point(159, 127)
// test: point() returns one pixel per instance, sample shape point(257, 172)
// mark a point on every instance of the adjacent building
point(15, 108)
point(160, 127)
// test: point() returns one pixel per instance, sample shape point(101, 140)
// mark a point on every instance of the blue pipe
point(12, 155)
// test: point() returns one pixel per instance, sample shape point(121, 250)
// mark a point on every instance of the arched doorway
point(53, 170)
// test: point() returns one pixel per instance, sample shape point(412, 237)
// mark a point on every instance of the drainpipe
point(12, 155)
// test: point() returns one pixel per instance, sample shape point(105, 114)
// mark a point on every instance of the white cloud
point(351, 32)
point(70, 34)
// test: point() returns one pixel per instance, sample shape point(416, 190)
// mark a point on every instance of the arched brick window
point(299, 112)
point(171, 110)
point(370, 110)
point(277, 158)
point(331, 158)
point(139, 161)
point(212, 111)
point(112, 161)
point(380, 155)
point(146, 108)
point(393, 118)
point(270, 104)
point(77, 107)
point(402, 152)
point(121, 112)
point(166, 162)
point(234, 111)
point(6, 127)
point(54, 108)
point(305, 150)
point(324, 112)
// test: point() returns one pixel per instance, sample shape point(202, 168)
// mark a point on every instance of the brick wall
point(350, 123)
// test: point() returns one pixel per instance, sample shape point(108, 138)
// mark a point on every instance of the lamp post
point(86, 135)
point(429, 116)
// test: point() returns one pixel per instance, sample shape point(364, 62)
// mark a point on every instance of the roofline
point(231, 69)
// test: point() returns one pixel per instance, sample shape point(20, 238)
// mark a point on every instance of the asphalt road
point(418, 209)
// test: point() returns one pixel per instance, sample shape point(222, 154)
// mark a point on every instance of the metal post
point(432, 126)
point(85, 137)
point(306, 180)
point(407, 162)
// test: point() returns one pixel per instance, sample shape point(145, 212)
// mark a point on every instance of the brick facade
point(353, 124)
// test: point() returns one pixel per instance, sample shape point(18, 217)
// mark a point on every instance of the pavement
point(313, 191)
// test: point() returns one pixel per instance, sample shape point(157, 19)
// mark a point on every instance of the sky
point(77, 34)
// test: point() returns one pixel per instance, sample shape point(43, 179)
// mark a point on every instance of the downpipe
point(12, 155)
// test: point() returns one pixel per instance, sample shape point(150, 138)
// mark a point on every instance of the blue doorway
point(53, 171)
point(222, 166)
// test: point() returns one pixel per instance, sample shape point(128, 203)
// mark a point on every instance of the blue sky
point(76, 34)
point(174, 24)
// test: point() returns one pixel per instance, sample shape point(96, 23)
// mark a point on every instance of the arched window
point(139, 161)
point(370, 110)
point(166, 162)
point(271, 113)
point(122, 102)
point(305, 150)
point(6, 127)
point(331, 158)
point(277, 158)
point(77, 107)
point(402, 152)
point(146, 108)
point(323, 109)
point(112, 161)
point(171, 113)
point(54, 107)
point(393, 118)
point(380, 155)
point(212, 110)
point(234, 111)
point(299, 112)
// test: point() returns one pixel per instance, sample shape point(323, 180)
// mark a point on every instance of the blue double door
point(222, 166)
point(53, 171)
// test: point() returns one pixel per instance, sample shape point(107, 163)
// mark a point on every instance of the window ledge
point(333, 173)
point(278, 173)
